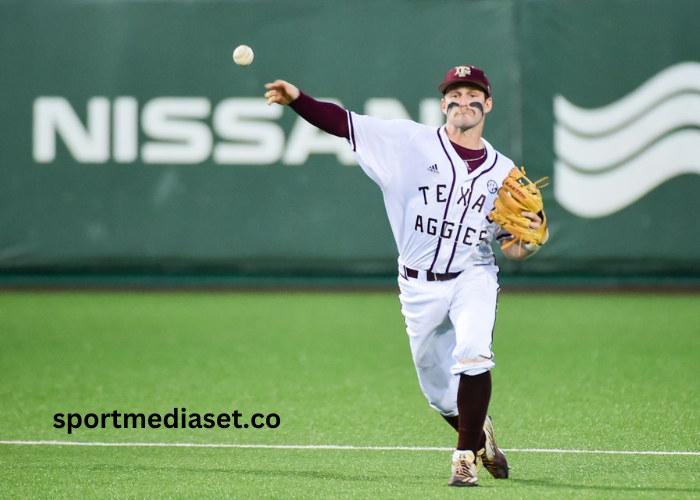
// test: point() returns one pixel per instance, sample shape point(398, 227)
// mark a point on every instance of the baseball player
point(439, 185)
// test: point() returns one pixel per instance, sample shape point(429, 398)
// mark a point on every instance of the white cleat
point(463, 469)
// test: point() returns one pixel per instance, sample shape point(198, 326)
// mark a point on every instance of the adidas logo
point(433, 169)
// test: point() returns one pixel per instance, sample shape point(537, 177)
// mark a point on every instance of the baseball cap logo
point(463, 74)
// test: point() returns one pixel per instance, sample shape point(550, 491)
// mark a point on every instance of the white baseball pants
point(450, 328)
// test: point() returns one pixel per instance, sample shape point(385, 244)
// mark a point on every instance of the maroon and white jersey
point(437, 209)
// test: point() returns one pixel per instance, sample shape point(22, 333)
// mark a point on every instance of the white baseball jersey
point(438, 213)
point(437, 209)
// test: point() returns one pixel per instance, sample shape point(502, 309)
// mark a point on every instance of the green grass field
point(574, 372)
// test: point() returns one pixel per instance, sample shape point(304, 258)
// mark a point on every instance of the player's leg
point(473, 312)
point(453, 420)
point(432, 340)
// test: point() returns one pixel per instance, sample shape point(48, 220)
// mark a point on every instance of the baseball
point(243, 55)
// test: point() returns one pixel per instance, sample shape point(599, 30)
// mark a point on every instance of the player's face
point(465, 106)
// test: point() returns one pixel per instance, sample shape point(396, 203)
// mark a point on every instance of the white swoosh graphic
point(598, 153)
point(601, 194)
point(680, 78)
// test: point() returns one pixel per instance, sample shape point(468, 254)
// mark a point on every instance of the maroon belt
point(412, 273)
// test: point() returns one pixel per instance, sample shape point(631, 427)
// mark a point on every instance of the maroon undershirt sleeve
point(333, 119)
point(327, 116)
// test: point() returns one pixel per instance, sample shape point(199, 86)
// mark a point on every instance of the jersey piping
point(449, 199)
point(466, 209)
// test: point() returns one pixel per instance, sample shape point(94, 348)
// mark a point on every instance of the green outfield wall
point(131, 142)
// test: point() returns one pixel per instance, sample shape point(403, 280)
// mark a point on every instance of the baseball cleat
point(463, 469)
point(491, 456)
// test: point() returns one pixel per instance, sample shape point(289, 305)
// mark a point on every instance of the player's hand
point(281, 92)
point(535, 220)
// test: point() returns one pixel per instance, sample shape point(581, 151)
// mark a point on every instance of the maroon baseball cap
point(466, 74)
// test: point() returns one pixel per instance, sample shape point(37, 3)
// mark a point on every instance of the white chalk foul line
point(333, 447)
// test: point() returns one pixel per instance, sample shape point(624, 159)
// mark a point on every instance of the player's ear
point(488, 104)
point(443, 106)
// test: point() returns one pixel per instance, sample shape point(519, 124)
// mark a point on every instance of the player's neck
point(469, 138)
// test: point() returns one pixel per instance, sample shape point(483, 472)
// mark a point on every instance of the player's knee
point(425, 360)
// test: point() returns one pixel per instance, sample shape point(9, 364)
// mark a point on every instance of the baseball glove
point(517, 195)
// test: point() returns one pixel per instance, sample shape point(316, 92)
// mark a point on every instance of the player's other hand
point(281, 92)
point(535, 220)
